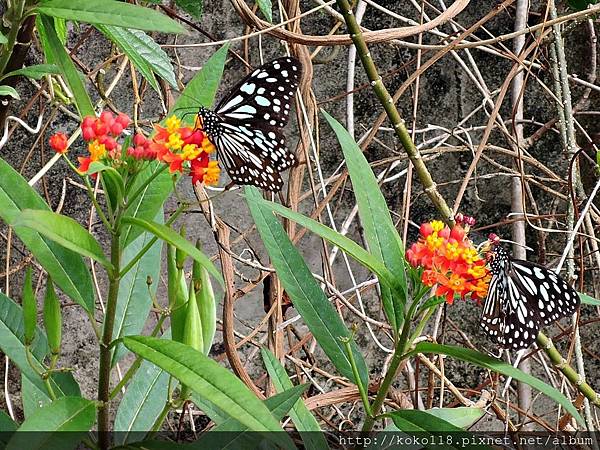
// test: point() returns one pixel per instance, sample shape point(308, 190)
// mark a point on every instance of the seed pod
point(205, 298)
point(192, 334)
point(177, 292)
point(29, 309)
point(52, 318)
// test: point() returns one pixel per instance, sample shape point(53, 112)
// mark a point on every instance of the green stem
point(560, 363)
point(399, 356)
point(92, 196)
point(361, 388)
point(392, 112)
point(107, 334)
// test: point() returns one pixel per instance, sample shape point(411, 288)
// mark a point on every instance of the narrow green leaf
point(147, 56)
point(496, 365)
point(168, 235)
point(150, 201)
point(202, 89)
point(12, 341)
point(266, 7)
point(109, 12)
point(64, 231)
point(312, 437)
point(36, 72)
point(383, 240)
point(66, 268)
point(3, 39)
point(33, 398)
point(142, 402)
point(10, 91)
point(330, 235)
point(60, 57)
point(208, 379)
point(55, 425)
point(429, 426)
point(588, 300)
point(134, 302)
point(7, 425)
point(461, 417)
point(319, 315)
point(192, 7)
point(233, 435)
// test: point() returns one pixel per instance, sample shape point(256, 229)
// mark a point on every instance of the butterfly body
point(522, 297)
point(246, 127)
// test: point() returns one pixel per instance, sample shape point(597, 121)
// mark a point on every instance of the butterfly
point(522, 297)
point(246, 126)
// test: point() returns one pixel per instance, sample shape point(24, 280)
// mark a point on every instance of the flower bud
point(425, 229)
point(116, 128)
point(59, 142)
point(123, 119)
point(107, 118)
point(88, 133)
point(139, 139)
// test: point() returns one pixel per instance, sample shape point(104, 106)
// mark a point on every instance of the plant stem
point(105, 350)
point(392, 112)
point(560, 363)
point(361, 388)
point(146, 183)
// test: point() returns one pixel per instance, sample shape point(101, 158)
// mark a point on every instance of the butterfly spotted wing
point(522, 296)
point(246, 127)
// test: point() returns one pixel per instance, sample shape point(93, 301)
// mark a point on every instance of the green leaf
point(66, 268)
point(7, 425)
point(496, 365)
point(202, 89)
point(588, 300)
point(3, 39)
point(10, 91)
point(134, 302)
point(429, 427)
point(266, 7)
point(114, 186)
point(64, 231)
point(147, 56)
point(383, 240)
point(461, 417)
point(36, 72)
point(59, 56)
point(319, 315)
point(330, 235)
point(55, 425)
point(33, 398)
point(109, 12)
point(29, 305)
point(168, 235)
point(149, 203)
point(233, 435)
point(192, 7)
point(305, 422)
point(208, 379)
point(142, 402)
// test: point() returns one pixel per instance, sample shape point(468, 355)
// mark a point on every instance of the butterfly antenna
point(508, 241)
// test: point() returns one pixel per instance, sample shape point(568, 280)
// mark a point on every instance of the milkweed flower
point(450, 261)
point(59, 142)
point(183, 149)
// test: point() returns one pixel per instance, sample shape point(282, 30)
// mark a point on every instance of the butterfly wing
point(249, 120)
point(493, 317)
point(549, 295)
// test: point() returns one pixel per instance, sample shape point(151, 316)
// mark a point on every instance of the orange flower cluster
point(450, 260)
point(184, 149)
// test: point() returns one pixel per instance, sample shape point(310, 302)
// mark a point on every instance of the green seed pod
point(180, 255)
point(29, 309)
point(205, 297)
point(52, 318)
point(192, 334)
point(177, 292)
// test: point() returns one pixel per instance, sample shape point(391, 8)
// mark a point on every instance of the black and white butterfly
point(522, 297)
point(246, 127)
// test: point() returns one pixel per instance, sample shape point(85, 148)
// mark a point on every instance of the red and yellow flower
point(451, 262)
point(183, 149)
